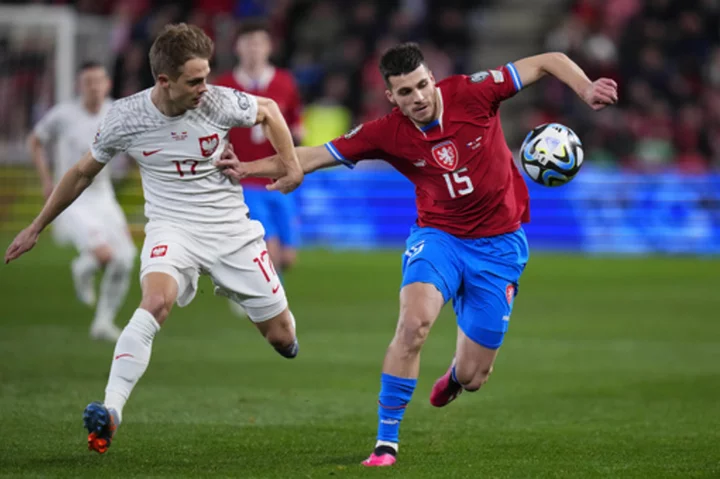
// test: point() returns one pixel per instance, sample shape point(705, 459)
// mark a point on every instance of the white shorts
point(239, 265)
point(93, 220)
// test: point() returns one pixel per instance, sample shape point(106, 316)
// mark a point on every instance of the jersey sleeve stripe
point(336, 154)
point(515, 76)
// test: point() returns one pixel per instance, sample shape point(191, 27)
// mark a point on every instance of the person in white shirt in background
point(95, 224)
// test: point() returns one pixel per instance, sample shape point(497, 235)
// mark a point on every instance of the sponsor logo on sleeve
point(479, 76)
point(497, 76)
point(353, 132)
point(242, 100)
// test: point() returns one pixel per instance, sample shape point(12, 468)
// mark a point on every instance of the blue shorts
point(277, 213)
point(479, 275)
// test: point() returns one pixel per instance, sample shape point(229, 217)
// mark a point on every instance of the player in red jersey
point(256, 75)
point(468, 244)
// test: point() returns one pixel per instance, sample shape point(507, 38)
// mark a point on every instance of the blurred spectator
point(331, 46)
point(666, 58)
point(328, 117)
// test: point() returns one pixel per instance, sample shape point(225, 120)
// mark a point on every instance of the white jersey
point(176, 156)
point(71, 128)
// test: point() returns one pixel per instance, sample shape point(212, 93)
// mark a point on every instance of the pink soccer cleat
point(445, 390)
point(379, 461)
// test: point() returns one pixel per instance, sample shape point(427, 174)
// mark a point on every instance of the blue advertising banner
point(598, 212)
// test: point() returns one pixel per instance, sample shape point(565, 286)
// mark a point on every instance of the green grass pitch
point(611, 368)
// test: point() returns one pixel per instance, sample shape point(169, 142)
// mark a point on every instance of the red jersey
point(250, 143)
point(466, 182)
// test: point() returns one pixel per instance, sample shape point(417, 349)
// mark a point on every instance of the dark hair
point(177, 44)
point(400, 60)
point(88, 65)
point(252, 25)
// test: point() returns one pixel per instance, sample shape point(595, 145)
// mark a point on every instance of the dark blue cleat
point(101, 424)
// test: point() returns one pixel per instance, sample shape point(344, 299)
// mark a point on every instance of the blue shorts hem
point(485, 337)
point(422, 271)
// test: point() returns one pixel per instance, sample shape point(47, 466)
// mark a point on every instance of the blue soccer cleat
point(101, 424)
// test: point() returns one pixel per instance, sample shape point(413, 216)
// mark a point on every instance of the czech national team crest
point(208, 144)
point(510, 293)
point(446, 155)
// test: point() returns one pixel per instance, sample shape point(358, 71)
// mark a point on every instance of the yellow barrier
point(21, 199)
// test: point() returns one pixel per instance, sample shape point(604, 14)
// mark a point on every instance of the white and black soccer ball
point(551, 154)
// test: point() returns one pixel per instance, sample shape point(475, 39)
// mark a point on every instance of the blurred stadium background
point(613, 363)
point(648, 185)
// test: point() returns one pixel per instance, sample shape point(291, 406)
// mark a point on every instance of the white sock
point(86, 262)
point(394, 445)
point(130, 359)
point(113, 289)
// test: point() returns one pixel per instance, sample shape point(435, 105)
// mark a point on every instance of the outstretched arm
point(597, 94)
point(72, 184)
point(311, 158)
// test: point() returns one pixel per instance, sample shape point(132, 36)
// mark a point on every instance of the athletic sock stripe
point(391, 407)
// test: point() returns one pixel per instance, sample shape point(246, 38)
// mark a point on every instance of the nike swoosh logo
point(148, 153)
point(276, 289)
point(124, 355)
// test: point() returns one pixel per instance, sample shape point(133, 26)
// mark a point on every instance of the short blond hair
point(176, 44)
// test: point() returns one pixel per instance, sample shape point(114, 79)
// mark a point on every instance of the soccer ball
point(551, 154)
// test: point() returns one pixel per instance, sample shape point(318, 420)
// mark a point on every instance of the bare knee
point(412, 331)
point(157, 304)
point(159, 293)
point(103, 254)
point(420, 304)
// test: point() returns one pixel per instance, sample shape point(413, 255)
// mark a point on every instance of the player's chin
point(422, 117)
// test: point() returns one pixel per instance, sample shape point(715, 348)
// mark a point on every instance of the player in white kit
point(94, 223)
point(197, 219)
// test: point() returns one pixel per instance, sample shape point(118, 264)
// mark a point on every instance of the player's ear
point(390, 97)
point(163, 80)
